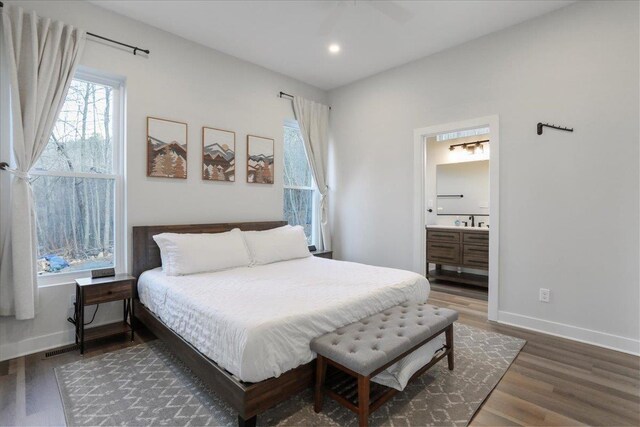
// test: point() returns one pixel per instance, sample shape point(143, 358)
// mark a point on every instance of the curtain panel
point(40, 57)
point(313, 119)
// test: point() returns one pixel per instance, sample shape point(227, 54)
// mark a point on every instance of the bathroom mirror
point(463, 188)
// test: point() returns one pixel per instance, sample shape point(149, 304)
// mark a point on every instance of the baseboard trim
point(575, 333)
point(41, 343)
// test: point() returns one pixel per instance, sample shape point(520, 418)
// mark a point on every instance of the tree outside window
point(74, 183)
point(299, 188)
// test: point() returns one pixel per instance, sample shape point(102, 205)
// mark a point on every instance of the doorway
point(456, 206)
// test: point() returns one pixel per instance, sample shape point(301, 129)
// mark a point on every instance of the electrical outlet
point(545, 295)
point(72, 300)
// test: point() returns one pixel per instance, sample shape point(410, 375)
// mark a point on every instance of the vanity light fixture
point(470, 147)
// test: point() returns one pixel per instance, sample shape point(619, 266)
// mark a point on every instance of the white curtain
point(313, 119)
point(41, 57)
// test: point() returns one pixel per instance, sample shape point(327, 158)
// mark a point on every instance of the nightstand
point(323, 254)
point(97, 291)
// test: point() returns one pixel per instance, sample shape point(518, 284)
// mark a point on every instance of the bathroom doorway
point(456, 208)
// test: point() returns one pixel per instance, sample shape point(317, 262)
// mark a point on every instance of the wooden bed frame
point(248, 399)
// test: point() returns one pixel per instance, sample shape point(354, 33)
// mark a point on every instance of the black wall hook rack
point(541, 125)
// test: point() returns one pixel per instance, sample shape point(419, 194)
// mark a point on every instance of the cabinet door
point(475, 238)
point(443, 236)
point(476, 256)
point(443, 252)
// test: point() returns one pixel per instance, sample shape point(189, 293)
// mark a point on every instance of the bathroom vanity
point(465, 247)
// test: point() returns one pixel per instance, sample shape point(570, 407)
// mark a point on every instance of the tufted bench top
point(376, 340)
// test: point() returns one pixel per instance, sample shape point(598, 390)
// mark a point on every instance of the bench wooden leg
point(249, 422)
point(363, 401)
point(321, 372)
point(449, 342)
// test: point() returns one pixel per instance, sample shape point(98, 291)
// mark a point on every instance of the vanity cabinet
point(466, 247)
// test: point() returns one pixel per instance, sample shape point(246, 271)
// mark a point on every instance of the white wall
point(569, 202)
point(182, 81)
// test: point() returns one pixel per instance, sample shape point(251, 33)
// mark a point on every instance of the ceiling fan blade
point(331, 20)
point(391, 9)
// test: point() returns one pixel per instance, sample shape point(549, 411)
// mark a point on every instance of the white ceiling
point(291, 37)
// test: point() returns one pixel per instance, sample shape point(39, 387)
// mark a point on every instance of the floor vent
point(61, 351)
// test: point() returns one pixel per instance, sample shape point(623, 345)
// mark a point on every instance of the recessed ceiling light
point(334, 48)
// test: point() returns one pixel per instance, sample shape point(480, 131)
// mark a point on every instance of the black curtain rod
point(286, 95)
point(135, 48)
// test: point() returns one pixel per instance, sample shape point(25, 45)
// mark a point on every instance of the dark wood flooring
point(553, 381)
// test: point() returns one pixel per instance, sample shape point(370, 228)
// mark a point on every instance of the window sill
point(56, 284)
point(62, 279)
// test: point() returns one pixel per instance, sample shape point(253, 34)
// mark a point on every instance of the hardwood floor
point(29, 394)
point(459, 289)
point(553, 381)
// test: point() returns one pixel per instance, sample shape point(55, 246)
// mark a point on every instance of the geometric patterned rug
point(147, 385)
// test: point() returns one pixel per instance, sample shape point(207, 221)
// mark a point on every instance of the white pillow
point(278, 244)
point(185, 253)
point(398, 375)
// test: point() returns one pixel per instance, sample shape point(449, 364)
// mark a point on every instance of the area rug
point(147, 385)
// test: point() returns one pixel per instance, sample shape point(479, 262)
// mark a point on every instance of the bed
point(246, 331)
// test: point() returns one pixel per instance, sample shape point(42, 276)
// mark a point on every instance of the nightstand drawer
point(443, 253)
point(323, 254)
point(108, 292)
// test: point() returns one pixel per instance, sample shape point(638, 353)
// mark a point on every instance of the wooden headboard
point(146, 254)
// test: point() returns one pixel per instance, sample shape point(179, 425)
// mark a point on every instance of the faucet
point(473, 220)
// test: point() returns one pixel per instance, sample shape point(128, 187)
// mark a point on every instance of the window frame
point(315, 223)
point(118, 175)
point(467, 133)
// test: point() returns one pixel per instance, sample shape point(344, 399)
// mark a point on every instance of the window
point(300, 196)
point(462, 134)
point(77, 182)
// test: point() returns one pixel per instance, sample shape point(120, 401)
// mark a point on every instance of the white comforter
point(257, 322)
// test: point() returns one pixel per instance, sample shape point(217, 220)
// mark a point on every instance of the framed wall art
point(259, 160)
point(218, 155)
point(166, 148)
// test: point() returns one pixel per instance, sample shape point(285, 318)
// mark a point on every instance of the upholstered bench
point(365, 348)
